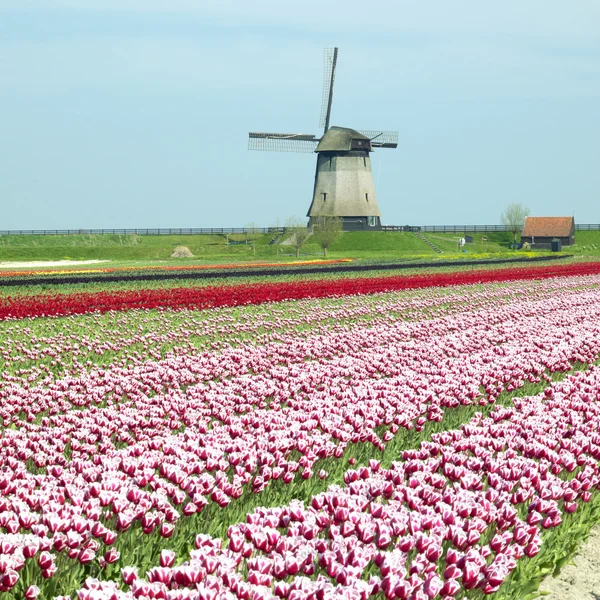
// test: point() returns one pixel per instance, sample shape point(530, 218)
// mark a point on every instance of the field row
point(24, 306)
point(36, 350)
point(457, 516)
point(108, 467)
point(76, 271)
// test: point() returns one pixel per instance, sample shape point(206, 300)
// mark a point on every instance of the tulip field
point(429, 437)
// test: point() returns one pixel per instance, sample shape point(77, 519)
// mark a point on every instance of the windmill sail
point(343, 185)
point(381, 139)
point(330, 62)
point(282, 142)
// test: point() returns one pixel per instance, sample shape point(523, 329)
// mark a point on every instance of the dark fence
point(267, 230)
point(463, 228)
point(470, 228)
point(170, 231)
point(401, 228)
point(587, 227)
point(487, 228)
point(446, 228)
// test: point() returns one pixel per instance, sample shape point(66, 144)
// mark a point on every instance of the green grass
point(587, 243)
point(366, 245)
point(380, 241)
point(123, 247)
point(497, 243)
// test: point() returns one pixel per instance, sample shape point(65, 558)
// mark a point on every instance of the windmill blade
point(282, 142)
point(381, 139)
point(330, 62)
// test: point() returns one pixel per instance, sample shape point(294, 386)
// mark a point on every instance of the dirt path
point(579, 582)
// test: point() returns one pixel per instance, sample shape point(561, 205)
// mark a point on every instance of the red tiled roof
point(548, 226)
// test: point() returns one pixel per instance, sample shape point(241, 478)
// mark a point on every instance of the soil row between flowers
point(248, 294)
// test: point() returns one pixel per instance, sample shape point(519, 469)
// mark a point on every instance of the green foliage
point(296, 233)
point(123, 247)
point(398, 242)
point(514, 217)
point(587, 243)
point(326, 231)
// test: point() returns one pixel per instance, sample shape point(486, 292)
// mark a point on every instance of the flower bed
point(203, 267)
point(135, 277)
point(236, 295)
point(455, 516)
point(107, 467)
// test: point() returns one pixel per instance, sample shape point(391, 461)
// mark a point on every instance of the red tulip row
point(236, 295)
point(456, 515)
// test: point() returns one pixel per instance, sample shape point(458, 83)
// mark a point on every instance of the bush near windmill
point(513, 218)
point(326, 230)
point(296, 234)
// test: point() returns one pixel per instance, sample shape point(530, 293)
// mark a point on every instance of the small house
point(540, 231)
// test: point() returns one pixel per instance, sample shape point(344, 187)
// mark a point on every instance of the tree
point(326, 230)
point(251, 230)
point(514, 218)
point(298, 233)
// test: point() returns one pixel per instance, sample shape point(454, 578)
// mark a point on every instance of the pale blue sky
point(135, 113)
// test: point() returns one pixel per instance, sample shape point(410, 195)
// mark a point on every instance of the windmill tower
point(343, 185)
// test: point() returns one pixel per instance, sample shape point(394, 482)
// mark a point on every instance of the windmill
point(343, 185)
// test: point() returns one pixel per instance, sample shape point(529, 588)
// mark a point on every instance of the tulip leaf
point(530, 589)
point(560, 564)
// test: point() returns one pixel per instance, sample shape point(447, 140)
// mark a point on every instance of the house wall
point(546, 242)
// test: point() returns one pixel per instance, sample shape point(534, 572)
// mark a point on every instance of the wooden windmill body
point(343, 185)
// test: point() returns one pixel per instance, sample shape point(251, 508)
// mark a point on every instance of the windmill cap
point(339, 139)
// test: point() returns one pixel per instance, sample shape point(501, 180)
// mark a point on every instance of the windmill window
point(324, 196)
point(372, 221)
point(365, 161)
point(367, 197)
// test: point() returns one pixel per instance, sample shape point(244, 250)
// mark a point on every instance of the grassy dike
point(237, 247)
point(377, 245)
